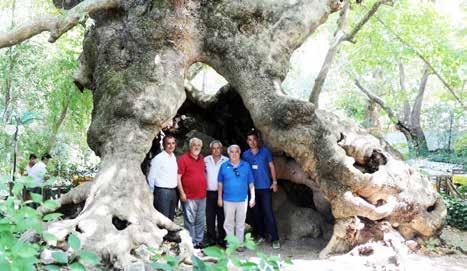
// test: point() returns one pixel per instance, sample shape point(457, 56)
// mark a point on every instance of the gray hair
point(233, 146)
point(215, 142)
point(195, 140)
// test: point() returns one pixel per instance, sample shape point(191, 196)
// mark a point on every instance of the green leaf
point(73, 242)
point(17, 189)
point(4, 266)
point(213, 251)
point(49, 237)
point(26, 251)
point(249, 266)
point(198, 264)
point(76, 266)
point(161, 266)
point(60, 257)
point(51, 204)
point(52, 267)
point(36, 197)
point(52, 216)
point(89, 257)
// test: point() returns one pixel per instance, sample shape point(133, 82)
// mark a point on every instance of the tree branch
point(417, 105)
point(423, 58)
point(377, 100)
point(392, 115)
point(349, 37)
point(339, 37)
point(56, 25)
point(406, 106)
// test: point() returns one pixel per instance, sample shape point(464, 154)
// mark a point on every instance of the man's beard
point(196, 152)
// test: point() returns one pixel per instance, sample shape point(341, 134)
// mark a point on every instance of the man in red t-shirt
point(192, 185)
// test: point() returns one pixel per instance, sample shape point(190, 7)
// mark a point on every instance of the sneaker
point(260, 240)
point(276, 245)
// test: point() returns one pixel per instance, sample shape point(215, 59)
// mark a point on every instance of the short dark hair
point(167, 137)
point(32, 156)
point(46, 156)
point(254, 132)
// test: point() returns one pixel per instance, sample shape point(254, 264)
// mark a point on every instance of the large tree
point(135, 59)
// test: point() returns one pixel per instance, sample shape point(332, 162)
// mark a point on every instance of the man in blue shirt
point(234, 179)
point(262, 165)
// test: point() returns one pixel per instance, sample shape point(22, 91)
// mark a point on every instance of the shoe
point(276, 245)
point(240, 249)
point(199, 246)
point(222, 244)
point(260, 240)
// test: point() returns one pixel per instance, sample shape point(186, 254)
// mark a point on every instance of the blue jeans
point(165, 201)
point(264, 221)
point(194, 216)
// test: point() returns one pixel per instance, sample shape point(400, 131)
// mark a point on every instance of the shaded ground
point(304, 254)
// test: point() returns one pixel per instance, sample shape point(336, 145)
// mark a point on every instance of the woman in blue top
point(234, 179)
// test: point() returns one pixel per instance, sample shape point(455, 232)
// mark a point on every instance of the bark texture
point(135, 60)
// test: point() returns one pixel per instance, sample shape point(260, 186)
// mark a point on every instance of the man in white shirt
point(32, 162)
point(162, 178)
point(38, 171)
point(213, 163)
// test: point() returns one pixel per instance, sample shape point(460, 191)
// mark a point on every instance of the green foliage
point(446, 156)
point(223, 258)
point(457, 212)
point(16, 218)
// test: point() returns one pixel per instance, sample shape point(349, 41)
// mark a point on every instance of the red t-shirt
point(193, 176)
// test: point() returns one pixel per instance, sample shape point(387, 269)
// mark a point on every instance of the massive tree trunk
point(135, 59)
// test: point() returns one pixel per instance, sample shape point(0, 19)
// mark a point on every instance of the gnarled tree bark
point(135, 59)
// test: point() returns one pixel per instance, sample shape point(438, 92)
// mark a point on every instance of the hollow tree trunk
point(135, 60)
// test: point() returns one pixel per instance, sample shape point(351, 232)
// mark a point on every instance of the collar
point(169, 155)
point(223, 159)
point(200, 156)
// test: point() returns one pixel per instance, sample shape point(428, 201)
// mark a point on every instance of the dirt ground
point(304, 254)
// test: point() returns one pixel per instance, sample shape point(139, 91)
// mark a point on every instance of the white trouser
point(235, 215)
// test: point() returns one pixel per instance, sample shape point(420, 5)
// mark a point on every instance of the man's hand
point(252, 203)
point(274, 187)
point(183, 197)
point(220, 203)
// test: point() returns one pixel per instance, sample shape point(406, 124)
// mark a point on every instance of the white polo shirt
point(163, 171)
point(37, 172)
point(212, 170)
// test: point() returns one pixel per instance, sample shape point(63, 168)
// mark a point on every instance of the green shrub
point(223, 258)
point(457, 212)
point(17, 217)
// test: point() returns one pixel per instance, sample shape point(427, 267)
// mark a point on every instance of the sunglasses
point(237, 173)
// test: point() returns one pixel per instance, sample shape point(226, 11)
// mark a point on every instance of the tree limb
point(350, 36)
point(56, 25)
point(423, 58)
point(339, 37)
point(377, 100)
point(406, 106)
point(417, 106)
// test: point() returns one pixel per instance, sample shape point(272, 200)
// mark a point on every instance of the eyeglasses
point(237, 173)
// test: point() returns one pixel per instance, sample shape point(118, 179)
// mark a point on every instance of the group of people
point(37, 170)
point(217, 188)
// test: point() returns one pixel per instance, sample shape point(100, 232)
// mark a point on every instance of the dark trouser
point(264, 221)
point(35, 190)
point(213, 211)
point(165, 201)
